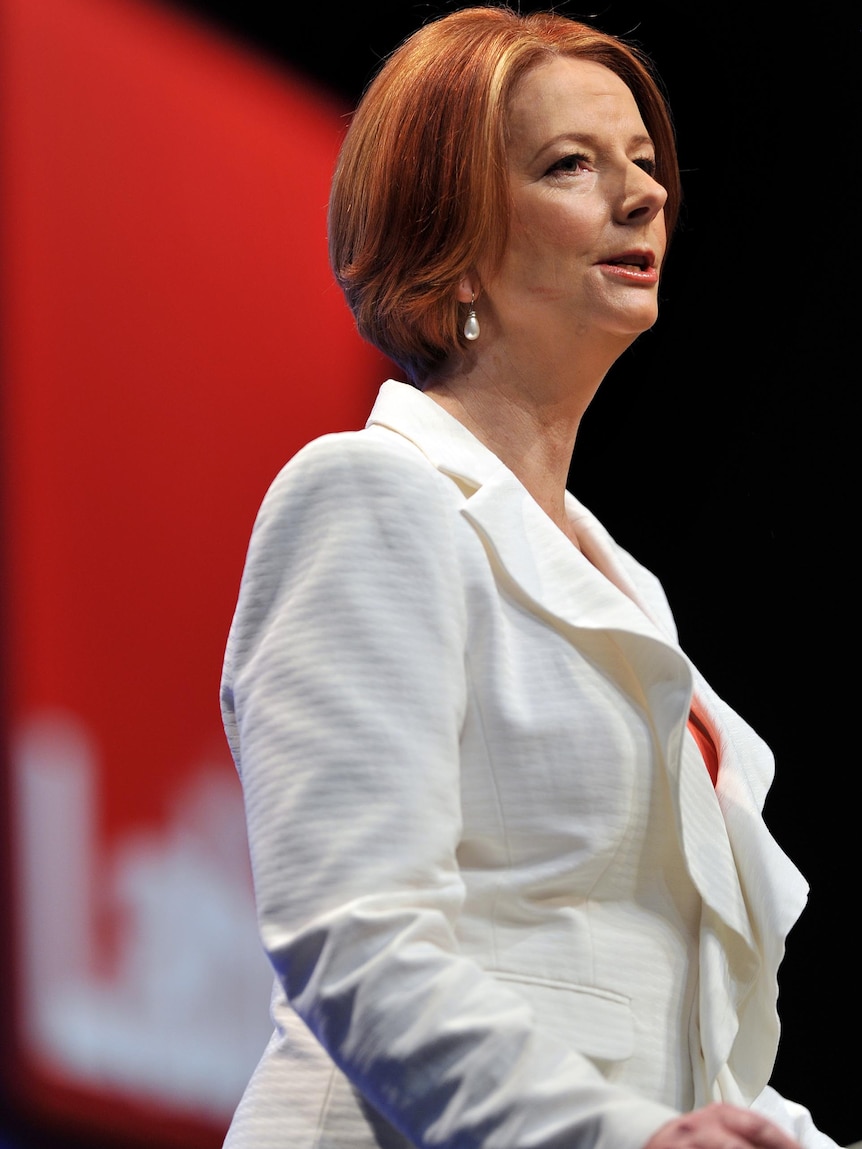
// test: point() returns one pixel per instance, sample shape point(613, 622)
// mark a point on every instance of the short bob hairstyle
point(420, 192)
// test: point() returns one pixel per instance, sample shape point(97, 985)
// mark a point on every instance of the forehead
point(568, 95)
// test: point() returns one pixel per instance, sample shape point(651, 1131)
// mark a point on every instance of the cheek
point(570, 226)
point(554, 234)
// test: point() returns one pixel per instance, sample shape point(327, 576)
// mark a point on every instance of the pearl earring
point(471, 326)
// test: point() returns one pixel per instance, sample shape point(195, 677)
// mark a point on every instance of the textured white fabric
point(504, 903)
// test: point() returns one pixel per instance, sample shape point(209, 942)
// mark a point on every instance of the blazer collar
point(438, 435)
point(592, 590)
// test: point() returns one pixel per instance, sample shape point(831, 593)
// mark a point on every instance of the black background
point(722, 449)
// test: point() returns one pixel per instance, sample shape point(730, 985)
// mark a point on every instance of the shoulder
point(650, 592)
point(371, 493)
point(647, 581)
point(352, 465)
point(647, 586)
point(643, 584)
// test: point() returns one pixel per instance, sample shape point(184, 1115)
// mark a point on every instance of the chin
point(629, 316)
point(641, 321)
point(628, 333)
point(622, 336)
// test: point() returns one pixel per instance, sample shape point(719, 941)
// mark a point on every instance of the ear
point(468, 289)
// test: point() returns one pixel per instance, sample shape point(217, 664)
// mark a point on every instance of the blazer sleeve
point(343, 694)
point(793, 1118)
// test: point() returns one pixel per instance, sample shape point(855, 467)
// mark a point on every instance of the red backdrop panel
point(171, 335)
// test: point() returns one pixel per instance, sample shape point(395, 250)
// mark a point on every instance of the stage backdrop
point(171, 335)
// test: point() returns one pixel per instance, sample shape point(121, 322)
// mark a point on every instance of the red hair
point(420, 191)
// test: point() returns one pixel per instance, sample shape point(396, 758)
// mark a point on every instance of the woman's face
point(587, 236)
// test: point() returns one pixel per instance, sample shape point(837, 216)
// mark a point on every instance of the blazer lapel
point(539, 566)
point(555, 581)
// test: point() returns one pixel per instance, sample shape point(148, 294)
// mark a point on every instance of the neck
point(530, 422)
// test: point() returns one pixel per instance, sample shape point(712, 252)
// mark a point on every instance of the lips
point(635, 267)
point(636, 260)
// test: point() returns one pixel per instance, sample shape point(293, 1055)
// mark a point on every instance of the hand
point(720, 1126)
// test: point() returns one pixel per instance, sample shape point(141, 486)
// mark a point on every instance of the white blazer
point(505, 905)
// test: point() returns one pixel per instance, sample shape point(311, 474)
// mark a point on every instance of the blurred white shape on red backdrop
point(177, 1013)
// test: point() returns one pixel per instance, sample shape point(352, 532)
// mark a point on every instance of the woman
point(509, 859)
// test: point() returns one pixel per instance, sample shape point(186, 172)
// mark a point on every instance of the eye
point(647, 164)
point(572, 163)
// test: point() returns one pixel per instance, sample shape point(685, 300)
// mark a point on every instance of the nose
point(643, 197)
